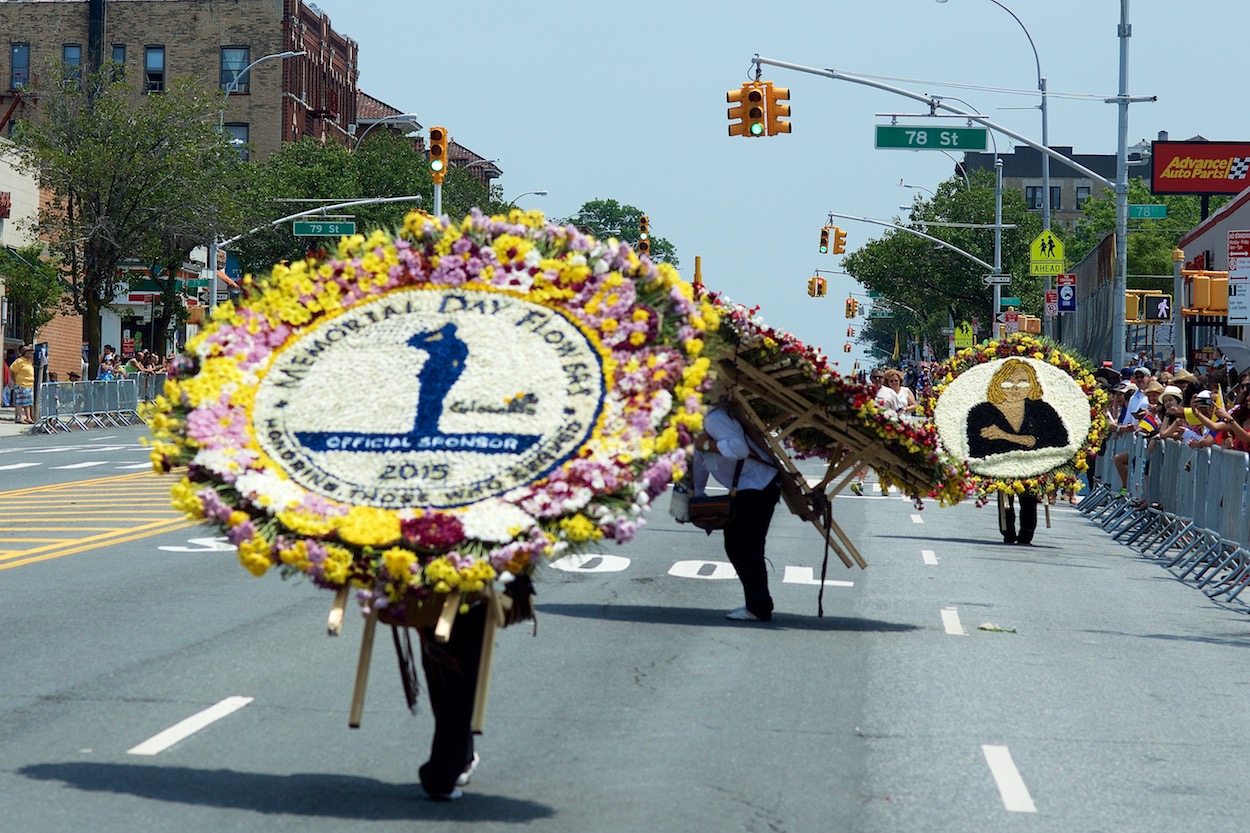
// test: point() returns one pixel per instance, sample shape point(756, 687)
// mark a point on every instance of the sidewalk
point(7, 427)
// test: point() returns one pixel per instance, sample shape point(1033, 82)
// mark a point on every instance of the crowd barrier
point(1188, 508)
point(69, 406)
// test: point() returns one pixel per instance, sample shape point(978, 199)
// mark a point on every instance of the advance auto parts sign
point(1199, 167)
point(427, 397)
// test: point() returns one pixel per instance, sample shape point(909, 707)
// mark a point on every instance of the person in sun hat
point(23, 370)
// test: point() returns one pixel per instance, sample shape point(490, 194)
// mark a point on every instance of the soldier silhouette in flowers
point(445, 362)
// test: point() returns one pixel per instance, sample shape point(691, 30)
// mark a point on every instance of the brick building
point(278, 100)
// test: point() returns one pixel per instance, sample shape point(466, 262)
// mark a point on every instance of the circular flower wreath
point(912, 441)
point(1064, 476)
point(639, 317)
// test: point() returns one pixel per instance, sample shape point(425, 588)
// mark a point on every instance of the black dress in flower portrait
point(1041, 422)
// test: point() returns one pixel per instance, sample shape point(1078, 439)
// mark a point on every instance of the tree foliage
point(383, 166)
point(121, 171)
point(34, 286)
point(1150, 242)
point(608, 218)
point(926, 285)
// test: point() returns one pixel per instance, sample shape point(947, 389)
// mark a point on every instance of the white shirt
point(1136, 402)
point(731, 446)
point(892, 400)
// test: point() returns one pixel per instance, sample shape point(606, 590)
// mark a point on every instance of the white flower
point(494, 521)
point(267, 489)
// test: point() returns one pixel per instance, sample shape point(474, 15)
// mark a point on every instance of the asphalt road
point(1104, 698)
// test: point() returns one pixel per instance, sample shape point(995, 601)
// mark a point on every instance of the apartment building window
point(118, 57)
point(240, 133)
point(1082, 194)
point(154, 69)
point(1056, 197)
point(234, 59)
point(1033, 197)
point(20, 66)
point(71, 56)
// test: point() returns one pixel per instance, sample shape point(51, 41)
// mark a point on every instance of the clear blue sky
point(627, 101)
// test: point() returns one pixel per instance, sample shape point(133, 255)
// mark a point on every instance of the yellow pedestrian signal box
point(1132, 308)
point(1157, 307)
point(644, 235)
point(839, 241)
point(438, 154)
point(746, 116)
point(776, 110)
point(824, 240)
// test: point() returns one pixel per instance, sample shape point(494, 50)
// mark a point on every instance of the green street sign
point(903, 137)
point(1147, 212)
point(880, 313)
point(198, 283)
point(1010, 302)
point(322, 228)
point(872, 293)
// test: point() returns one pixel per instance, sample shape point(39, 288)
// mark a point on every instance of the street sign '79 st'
point(904, 137)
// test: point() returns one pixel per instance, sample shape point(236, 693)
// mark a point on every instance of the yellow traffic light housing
point(746, 117)
point(824, 240)
point(854, 308)
point(839, 241)
point(817, 286)
point(850, 307)
point(776, 110)
point(438, 154)
point(644, 235)
point(846, 348)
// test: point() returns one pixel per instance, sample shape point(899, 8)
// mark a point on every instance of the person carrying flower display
point(723, 450)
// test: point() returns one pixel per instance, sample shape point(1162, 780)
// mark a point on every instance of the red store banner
point(1199, 167)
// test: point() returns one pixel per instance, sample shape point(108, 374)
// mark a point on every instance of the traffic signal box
point(746, 117)
point(438, 154)
point(839, 241)
point(846, 348)
point(1208, 292)
point(644, 235)
point(1143, 307)
point(824, 240)
point(776, 110)
point(852, 308)
point(817, 286)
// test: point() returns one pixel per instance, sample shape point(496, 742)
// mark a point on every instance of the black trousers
point(744, 544)
point(451, 684)
point(1028, 519)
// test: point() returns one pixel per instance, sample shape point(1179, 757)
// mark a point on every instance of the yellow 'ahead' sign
point(1046, 255)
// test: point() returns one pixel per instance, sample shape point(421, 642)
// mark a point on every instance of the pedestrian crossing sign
point(1046, 255)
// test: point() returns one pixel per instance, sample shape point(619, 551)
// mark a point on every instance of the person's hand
point(703, 441)
point(1222, 414)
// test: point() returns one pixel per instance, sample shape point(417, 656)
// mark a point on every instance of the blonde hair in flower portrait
point(1013, 418)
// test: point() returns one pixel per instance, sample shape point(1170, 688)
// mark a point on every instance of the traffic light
point(746, 117)
point(854, 308)
point(438, 154)
point(644, 235)
point(850, 307)
point(839, 241)
point(850, 332)
point(817, 286)
point(776, 110)
point(1157, 308)
point(824, 240)
point(846, 348)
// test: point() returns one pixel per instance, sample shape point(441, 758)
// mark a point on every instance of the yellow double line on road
point(46, 522)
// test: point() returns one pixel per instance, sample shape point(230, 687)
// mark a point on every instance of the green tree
point(120, 169)
point(384, 166)
point(34, 286)
point(609, 218)
point(924, 283)
point(1150, 242)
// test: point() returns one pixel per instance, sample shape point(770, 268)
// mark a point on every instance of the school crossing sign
point(1046, 255)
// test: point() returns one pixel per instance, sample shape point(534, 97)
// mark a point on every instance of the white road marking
point(806, 575)
point(88, 465)
point(591, 562)
point(135, 467)
point(1011, 786)
point(217, 544)
point(930, 557)
point(703, 569)
point(950, 621)
point(186, 728)
point(14, 466)
point(917, 519)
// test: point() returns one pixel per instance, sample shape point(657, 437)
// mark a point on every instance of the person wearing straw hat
point(23, 370)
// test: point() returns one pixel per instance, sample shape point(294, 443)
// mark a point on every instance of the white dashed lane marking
point(929, 557)
point(1011, 786)
point(186, 728)
point(950, 621)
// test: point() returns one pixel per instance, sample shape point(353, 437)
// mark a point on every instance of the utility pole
point(1119, 286)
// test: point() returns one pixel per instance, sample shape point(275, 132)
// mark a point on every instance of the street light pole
point(385, 120)
point(539, 193)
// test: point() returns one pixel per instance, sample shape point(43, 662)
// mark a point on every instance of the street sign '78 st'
point(904, 137)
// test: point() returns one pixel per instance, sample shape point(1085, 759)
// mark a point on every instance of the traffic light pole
point(314, 211)
point(928, 237)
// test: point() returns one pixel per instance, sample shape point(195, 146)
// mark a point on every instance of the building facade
point(213, 41)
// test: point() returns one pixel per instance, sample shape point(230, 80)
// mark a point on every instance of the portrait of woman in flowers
point(1014, 416)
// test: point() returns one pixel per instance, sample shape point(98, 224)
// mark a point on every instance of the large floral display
point(905, 453)
point(1026, 415)
point(433, 411)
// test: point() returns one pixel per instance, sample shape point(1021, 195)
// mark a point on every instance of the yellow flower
point(185, 499)
point(369, 526)
point(337, 564)
point(254, 555)
point(580, 528)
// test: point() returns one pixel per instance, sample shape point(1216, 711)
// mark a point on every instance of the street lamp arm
point(935, 102)
point(1037, 60)
point(929, 237)
point(319, 210)
point(385, 120)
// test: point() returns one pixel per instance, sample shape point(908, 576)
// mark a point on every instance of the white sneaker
point(454, 795)
point(462, 780)
point(742, 615)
